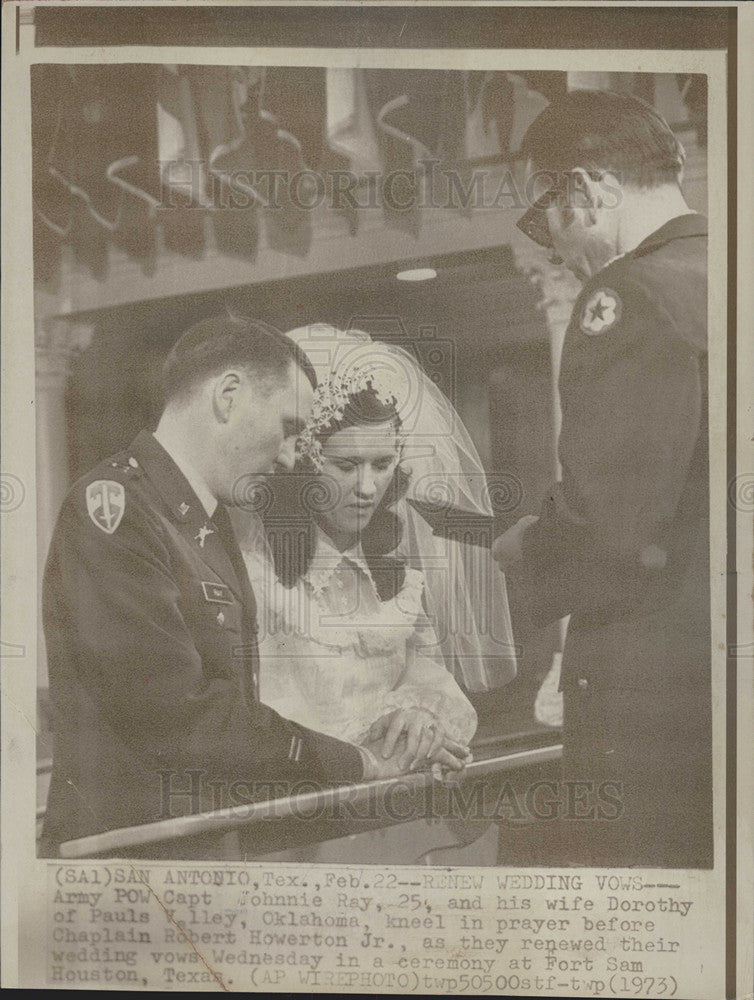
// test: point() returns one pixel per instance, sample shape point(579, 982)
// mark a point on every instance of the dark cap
point(598, 130)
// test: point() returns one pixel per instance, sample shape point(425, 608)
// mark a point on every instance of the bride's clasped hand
point(412, 740)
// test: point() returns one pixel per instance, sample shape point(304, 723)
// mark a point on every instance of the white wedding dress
point(335, 658)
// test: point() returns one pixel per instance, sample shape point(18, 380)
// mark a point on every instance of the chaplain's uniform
point(622, 546)
point(150, 624)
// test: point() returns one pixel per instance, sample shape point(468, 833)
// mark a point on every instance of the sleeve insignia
point(602, 311)
point(106, 504)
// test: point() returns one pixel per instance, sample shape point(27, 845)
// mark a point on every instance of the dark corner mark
point(385, 26)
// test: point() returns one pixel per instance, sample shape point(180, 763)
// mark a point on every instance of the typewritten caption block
point(138, 925)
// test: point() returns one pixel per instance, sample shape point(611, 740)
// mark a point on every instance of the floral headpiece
point(331, 399)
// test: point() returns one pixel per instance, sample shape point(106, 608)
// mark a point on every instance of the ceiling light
point(418, 274)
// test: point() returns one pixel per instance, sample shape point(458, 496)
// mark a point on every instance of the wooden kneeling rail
point(236, 817)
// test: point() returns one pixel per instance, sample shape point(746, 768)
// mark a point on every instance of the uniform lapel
point(186, 511)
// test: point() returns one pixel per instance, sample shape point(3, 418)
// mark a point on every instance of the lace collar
point(327, 558)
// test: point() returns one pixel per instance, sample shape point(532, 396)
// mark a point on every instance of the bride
point(365, 613)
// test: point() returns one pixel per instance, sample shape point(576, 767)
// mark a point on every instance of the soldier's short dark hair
point(600, 130)
point(226, 341)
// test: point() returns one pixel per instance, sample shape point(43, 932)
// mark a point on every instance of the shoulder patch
point(602, 311)
point(106, 504)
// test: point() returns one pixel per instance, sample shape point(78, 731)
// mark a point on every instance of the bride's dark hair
point(299, 498)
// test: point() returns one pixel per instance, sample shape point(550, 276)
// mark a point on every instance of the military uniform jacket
point(622, 544)
point(151, 644)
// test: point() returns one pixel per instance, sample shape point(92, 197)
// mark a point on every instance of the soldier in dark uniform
point(150, 619)
point(622, 543)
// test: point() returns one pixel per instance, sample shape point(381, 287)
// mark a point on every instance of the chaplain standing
point(622, 542)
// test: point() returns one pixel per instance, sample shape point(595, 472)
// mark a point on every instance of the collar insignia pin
point(202, 536)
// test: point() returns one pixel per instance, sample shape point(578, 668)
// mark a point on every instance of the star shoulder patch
point(602, 311)
point(106, 504)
